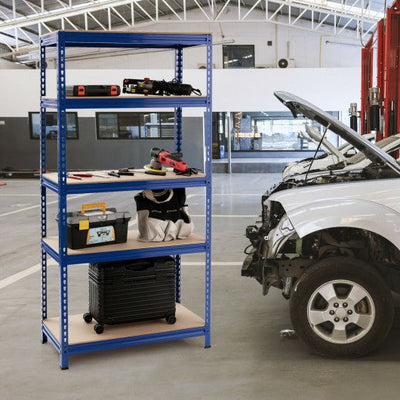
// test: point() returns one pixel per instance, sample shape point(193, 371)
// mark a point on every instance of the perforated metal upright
point(57, 329)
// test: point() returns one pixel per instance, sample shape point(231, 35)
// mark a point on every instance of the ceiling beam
point(64, 12)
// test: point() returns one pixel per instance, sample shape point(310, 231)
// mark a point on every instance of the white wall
point(5, 64)
point(331, 89)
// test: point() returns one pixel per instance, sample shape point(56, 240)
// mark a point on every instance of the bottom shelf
point(82, 337)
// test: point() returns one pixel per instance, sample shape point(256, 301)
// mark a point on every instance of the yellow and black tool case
point(96, 225)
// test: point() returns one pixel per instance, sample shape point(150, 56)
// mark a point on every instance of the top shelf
point(125, 39)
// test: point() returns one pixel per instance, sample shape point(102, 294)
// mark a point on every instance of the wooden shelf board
point(80, 332)
point(131, 244)
point(139, 176)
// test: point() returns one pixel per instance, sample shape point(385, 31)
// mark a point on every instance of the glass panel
point(269, 131)
point(107, 126)
point(72, 128)
point(129, 126)
point(167, 125)
point(51, 125)
point(151, 125)
point(135, 125)
point(238, 56)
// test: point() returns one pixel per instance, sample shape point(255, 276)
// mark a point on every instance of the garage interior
point(321, 51)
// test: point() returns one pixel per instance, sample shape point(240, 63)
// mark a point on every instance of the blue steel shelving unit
point(57, 247)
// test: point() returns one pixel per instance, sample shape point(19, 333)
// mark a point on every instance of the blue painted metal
point(178, 149)
point(61, 40)
point(178, 265)
point(43, 210)
point(101, 39)
point(178, 129)
point(208, 169)
point(134, 254)
point(133, 101)
point(136, 340)
point(51, 337)
point(62, 200)
point(194, 181)
point(53, 253)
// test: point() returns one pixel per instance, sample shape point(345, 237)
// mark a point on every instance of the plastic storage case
point(96, 225)
point(131, 290)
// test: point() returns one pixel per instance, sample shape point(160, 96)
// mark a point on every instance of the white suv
point(331, 242)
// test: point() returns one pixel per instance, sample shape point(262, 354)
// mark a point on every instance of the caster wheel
point(98, 328)
point(87, 317)
point(171, 319)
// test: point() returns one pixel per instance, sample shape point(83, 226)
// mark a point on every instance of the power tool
point(174, 160)
point(93, 90)
point(147, 86)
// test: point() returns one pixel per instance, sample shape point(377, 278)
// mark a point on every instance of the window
point(266, 131)
point(51, 125)
point(238, 56)
point(127, 125)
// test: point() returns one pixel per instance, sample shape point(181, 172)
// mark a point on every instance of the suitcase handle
point(86, 207)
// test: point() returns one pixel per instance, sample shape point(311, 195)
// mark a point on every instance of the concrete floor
point(248, 358)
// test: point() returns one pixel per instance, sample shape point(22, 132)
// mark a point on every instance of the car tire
point(341, 307)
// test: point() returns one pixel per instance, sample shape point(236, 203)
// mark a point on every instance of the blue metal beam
point(102, 39)
point(126, 186)
point(133, 101)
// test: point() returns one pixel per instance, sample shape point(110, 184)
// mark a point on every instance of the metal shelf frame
point(125, 342)
point(123, 186)
point(60, 40)
point(127, 102)
point(125, 254)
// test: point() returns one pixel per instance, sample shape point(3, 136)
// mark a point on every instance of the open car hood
point(299, 106)
point(329, 148)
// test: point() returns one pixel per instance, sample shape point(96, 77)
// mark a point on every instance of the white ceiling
point(23, 21)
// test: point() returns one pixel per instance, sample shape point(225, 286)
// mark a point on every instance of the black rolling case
point(134, 290)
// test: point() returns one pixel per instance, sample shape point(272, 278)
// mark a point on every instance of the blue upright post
point(208, 156)
point(62, 199)
point(178, 148)
point(43, 217)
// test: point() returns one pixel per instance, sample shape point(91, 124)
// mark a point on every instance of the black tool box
point(96, 225)
point(93, 90)
point(133, 290)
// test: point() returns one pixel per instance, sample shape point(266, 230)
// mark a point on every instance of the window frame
point(30, 122)
point(254, 136)
point(237, 46)
point(141, 128)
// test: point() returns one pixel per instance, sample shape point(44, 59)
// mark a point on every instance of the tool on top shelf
point(121, 172)
point(93, 90)
point(174, 160)
point(147, 86)
point(81, 175)
point(96, 225)
point(78, 175)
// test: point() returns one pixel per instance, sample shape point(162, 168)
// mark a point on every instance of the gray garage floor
point(248, 358)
